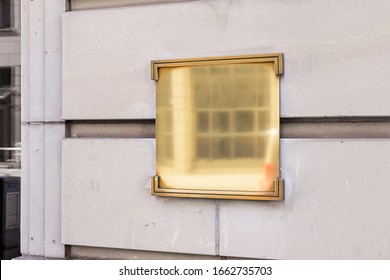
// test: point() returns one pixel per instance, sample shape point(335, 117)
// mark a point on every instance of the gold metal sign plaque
point(217, 127)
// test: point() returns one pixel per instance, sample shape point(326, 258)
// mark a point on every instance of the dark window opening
point(5, 14)
point(9, 120)
point(5, 77)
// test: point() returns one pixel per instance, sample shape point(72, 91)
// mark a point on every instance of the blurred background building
point(10, 122)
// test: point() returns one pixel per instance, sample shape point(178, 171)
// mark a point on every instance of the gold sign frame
point(190, 176)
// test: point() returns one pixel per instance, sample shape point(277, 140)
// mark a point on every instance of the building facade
point(10, 130)
point(10, 114)
point(88, 129)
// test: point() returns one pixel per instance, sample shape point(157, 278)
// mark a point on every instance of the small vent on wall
point(12, 211)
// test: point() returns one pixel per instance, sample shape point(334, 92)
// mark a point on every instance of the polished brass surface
point(217, 127)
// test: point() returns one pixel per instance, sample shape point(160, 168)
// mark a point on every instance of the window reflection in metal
point(217, 128)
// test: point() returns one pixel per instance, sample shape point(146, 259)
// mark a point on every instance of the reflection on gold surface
point(217, 127)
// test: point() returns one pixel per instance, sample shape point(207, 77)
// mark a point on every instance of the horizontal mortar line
point(111, 129)
point(43, 122)
point(335, 130)
point(87, 6)
point(335, 119)
point(322, 127)
point(335, 127)
point(110, 121)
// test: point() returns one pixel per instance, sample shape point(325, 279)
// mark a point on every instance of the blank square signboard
point(217, 127)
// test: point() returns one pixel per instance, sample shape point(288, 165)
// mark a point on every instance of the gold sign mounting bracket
point(276, 58)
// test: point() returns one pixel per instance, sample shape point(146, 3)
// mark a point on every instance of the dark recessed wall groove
point(111, 129)
point(323, 127)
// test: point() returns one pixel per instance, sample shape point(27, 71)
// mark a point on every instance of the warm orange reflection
point(218, 127)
